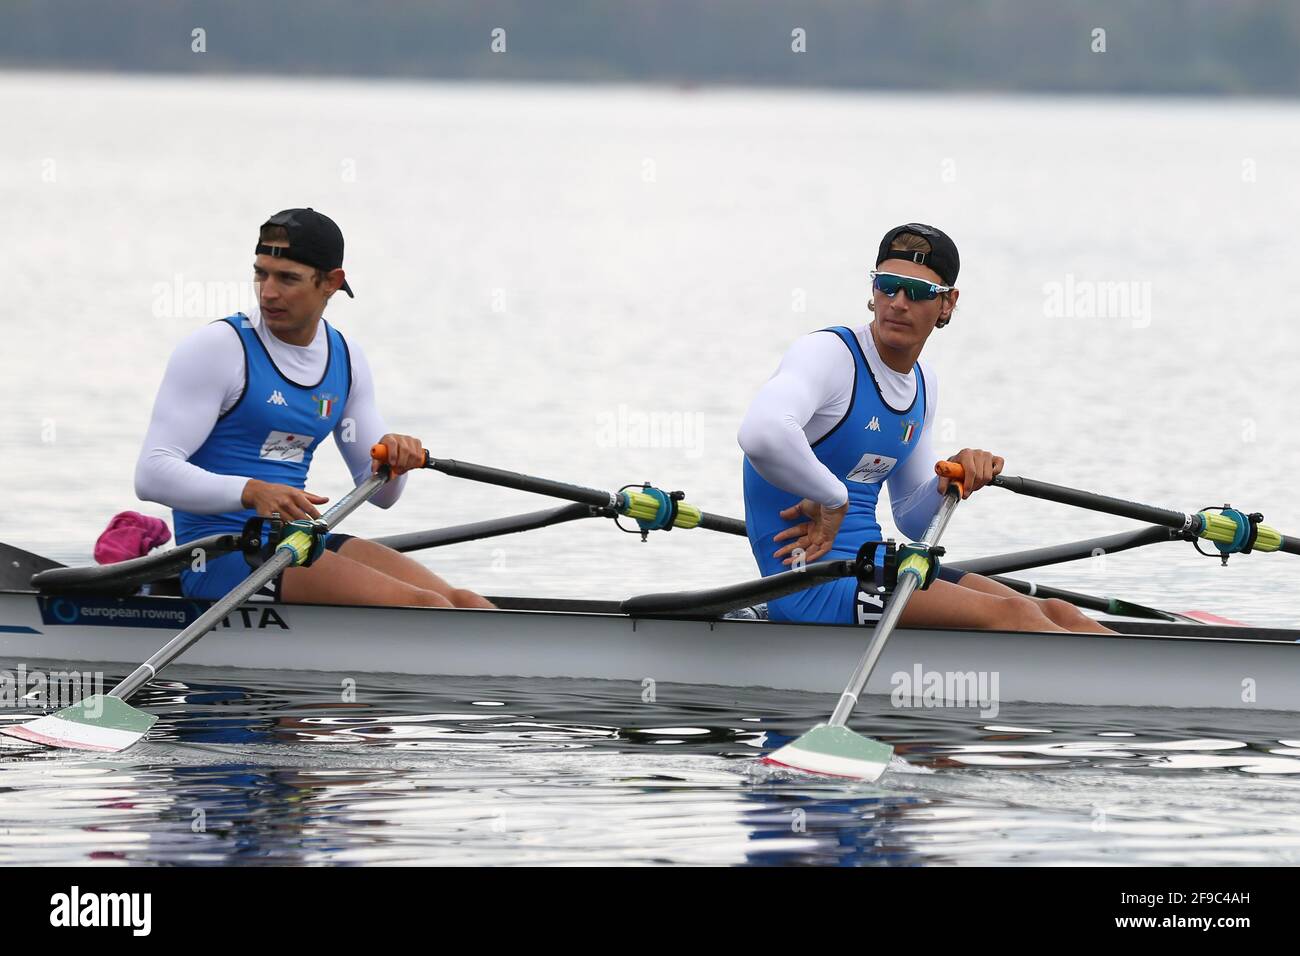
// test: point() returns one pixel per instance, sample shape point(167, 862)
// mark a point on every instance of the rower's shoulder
point(219, 334)
point(826, 343)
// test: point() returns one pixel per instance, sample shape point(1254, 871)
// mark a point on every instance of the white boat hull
point(1178, 668)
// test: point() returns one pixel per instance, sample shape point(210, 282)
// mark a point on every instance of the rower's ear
point(334, 280)
point(949, 299)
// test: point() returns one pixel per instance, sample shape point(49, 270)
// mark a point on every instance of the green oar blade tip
point(100, 723)
point(834, 752)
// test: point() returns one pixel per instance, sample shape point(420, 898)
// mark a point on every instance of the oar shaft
point(129, 575)
point(720, 600)
point(1176, 520)
point(724, 524)
point(1070, 551)
point(909, 581)
point(1092, 602)
point(633, 503)
point(492, 528)
point(512, 479)
point(1209, 525)
point(283, 557)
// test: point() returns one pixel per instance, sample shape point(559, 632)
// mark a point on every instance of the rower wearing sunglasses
point(850, 409)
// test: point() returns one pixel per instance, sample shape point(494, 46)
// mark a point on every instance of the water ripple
point(279, 769)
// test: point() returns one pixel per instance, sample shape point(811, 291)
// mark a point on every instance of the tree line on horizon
point(1243, 47)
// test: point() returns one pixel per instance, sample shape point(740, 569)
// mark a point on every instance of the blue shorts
point(223, 574)
point(839, 602)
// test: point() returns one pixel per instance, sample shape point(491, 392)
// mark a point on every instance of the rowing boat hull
point(1164, 666)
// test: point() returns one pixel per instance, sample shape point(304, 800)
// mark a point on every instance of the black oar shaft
point(716, 601)
point(1207, 524)
point(1061, 553)
point(1175, 520)
point(127, 576)
point(513, 479)
point(492, 528)
point(1092, 602)
point(561, 489)
point(724, 524)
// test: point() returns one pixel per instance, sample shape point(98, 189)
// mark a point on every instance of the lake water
point(589, 284)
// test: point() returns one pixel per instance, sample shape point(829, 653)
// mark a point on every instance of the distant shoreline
point(1184, 48)
point(8, 69)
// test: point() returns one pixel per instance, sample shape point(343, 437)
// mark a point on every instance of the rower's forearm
point(387, 496)
point(781, 454)
point(914, 512)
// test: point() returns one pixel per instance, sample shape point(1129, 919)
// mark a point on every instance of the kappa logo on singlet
point(284, 446)
point(276, 399)
point(874, 424)
point(872, 469)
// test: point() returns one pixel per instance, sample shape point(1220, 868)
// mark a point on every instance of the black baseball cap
point(314, 240)
point(942, 257)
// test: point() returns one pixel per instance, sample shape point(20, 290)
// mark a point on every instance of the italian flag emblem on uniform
point(324, 404)
point(909, 431)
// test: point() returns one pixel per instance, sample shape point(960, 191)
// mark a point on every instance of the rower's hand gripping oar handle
point(379, 452)
point(951, 470)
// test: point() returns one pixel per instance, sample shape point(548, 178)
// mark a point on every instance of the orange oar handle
point(379, 452)
point(951, 470)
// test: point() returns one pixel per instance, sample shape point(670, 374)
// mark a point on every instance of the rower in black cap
point(244, 405)
point(850, 409)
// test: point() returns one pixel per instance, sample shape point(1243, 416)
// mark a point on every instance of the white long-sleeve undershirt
point(809, 393)
point(204, 379)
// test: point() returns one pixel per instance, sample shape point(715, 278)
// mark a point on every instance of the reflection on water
point(259, 768)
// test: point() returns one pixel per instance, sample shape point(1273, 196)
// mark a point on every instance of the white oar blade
point(834, 752)
point(100, 723)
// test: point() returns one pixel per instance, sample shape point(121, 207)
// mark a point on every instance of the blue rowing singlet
point(864, 447)
point(271, 432)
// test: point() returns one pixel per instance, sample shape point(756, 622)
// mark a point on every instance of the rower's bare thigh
point(337, 579)
point(394, 564)
point(1054, 609)
point(945, 604)
point(977, 582)
point(397, 565)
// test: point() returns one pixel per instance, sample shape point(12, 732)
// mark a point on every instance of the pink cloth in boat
point(130, 535)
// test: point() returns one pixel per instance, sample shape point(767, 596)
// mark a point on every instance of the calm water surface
point(278, 769)
point(541, 272)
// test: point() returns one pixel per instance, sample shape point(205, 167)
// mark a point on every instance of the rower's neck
point(302, 339)
point(900, 360)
